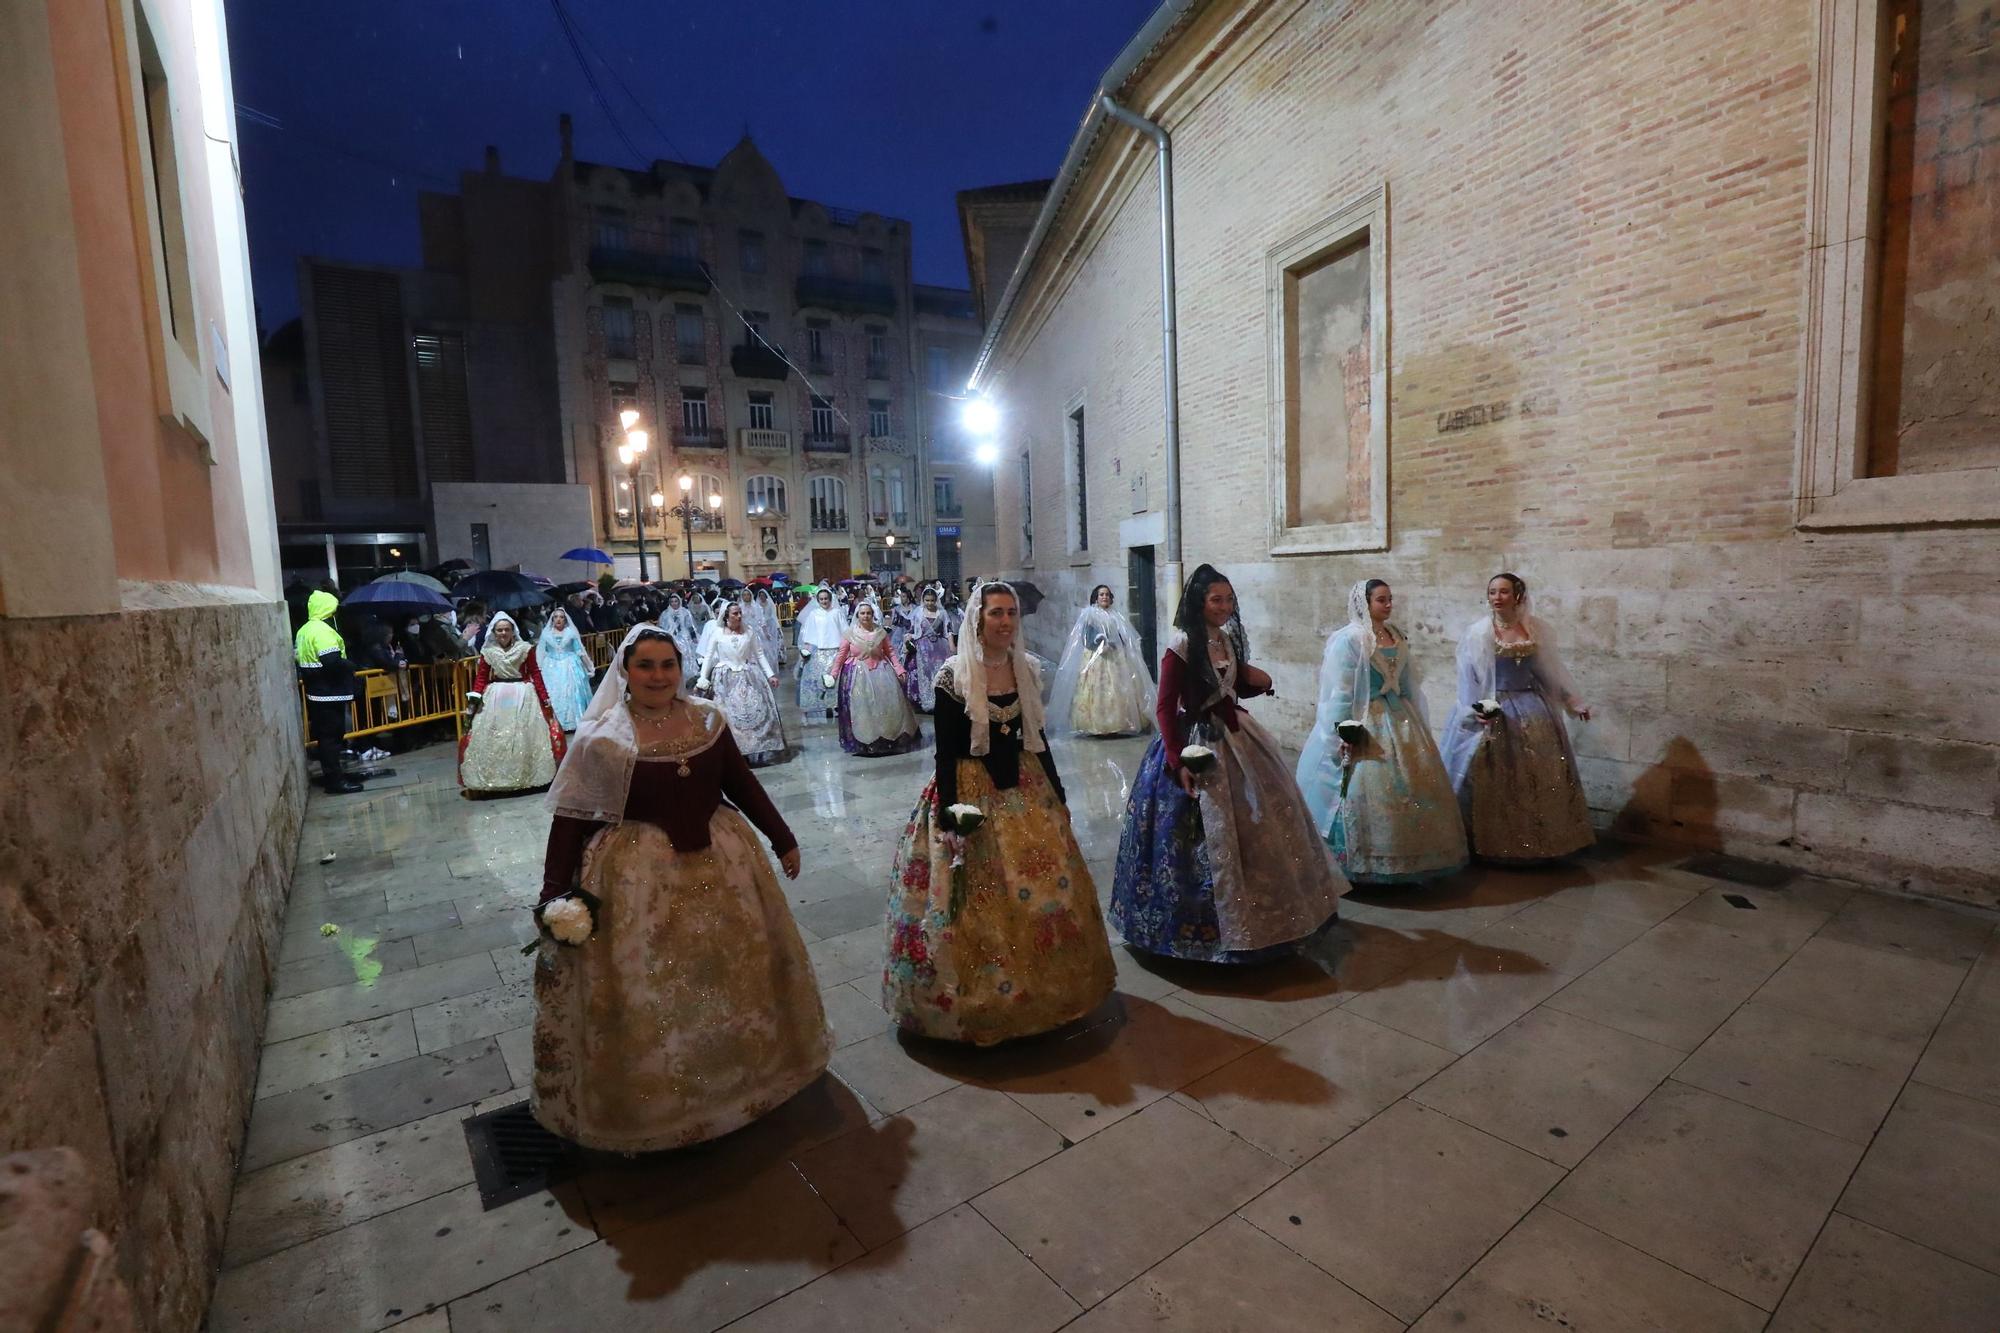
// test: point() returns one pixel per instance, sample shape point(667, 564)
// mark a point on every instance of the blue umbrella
point(395, 599)
point(587, 554)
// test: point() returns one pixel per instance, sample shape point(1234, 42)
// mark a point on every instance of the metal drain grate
point(1737, 870)
point(513, 1156)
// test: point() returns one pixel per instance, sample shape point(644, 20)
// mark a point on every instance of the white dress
point(820, 633)
point(739, 674)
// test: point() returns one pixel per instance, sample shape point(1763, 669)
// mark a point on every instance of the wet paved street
point(1618, 1095)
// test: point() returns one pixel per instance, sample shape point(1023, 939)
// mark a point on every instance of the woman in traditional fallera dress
point(927, 648)
point(821, 628)
point(898, 620)
point(1398, 821)
point(1511, 761)
point(740, 678)
point(678, 621)
point(1008, 941)
point(566, 669)
point(875, 717)
point(691, 1009)
point(514, 742)
point(1224, 866)
point(763, 620)
point(1102, 687)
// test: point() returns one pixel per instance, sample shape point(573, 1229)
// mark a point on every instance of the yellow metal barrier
point(407, 697)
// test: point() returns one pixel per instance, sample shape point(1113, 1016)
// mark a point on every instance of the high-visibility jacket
point(322, 654)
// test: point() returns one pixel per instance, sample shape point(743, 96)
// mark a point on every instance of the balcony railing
point(886, 444)
point(829, 444)
point(953, 510)
point(755, 361)
point(647, 268)
point(881, 522)
point(699, 437)
point(764, 441)
point(829, 520)
point(843, 294)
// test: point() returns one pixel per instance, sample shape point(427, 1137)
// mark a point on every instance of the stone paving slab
point(1598, 1095)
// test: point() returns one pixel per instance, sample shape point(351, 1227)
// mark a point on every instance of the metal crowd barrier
point(409, 696)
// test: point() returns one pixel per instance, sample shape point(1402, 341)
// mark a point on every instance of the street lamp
point(630, 453)
point(686, 511)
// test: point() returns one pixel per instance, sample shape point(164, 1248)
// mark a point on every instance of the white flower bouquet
point(570, 919)
point(826, 681)
point(805, 652)
point(1197, 759)
point(1488, 709)
point(964, 818)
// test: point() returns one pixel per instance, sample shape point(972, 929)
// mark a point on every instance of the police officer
point(328, 678)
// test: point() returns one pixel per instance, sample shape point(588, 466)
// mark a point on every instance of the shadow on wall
point(1675, 798)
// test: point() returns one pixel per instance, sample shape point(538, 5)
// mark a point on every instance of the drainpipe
point(1169, 344)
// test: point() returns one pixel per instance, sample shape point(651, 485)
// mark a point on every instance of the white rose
point(1197, 758)
point(966, 818)
point(568, 920)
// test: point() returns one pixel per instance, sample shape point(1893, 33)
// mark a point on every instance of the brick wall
point(1598, 221)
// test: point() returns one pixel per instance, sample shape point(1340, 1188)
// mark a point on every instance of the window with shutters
point(618, 342)
point(763, 495)
point(442, 408)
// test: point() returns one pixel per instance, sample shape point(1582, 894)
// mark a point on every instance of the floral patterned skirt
point(926, 660)
point(875, 717)
point(1007, 945)
point(1236, 873)
point(750, 705)
point(691, 1011)
point(1399, 822)
point(512, 745)
point(816, 697)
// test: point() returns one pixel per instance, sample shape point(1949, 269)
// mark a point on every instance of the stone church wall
point(1597, 232)
point(148, 821)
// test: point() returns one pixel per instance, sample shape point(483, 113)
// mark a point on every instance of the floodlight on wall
point(980, 417)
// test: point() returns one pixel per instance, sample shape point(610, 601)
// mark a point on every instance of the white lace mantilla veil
point(1344, 685)
point(553, 639)
point(1478, 647)
point(596, 774)
point(968, 668)
point(508, 658)
point(1113, 626)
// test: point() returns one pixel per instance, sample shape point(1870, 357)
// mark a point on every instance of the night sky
point(890, 105)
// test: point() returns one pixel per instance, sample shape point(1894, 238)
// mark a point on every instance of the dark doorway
point(1141, 602)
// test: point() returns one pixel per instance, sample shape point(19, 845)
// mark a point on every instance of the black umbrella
point(1030, 595)
point(565, 589)
point(501, 589)
point(731, 585)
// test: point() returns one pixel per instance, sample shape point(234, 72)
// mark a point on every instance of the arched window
point(705, 485)
point(828, 500)
point(763, 496)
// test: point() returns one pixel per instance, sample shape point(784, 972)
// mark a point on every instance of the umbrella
point(456, 562)
point(565, 589)
point(395, 599)
point(501, 589)
point(852, 583)
point(541, 580)
point(731, 585)
point(588, 554)
point(630, 585)
point(1030, 595)
point(412, 576)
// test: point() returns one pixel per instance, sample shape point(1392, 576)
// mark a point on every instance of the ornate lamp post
point(630, 453)
point(686, 511)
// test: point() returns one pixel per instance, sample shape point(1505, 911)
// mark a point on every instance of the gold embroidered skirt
point(1007, 945)
point(691, 1011)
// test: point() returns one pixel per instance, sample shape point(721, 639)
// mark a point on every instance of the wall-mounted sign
point(947, 530)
